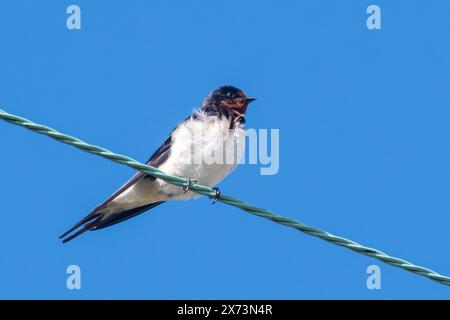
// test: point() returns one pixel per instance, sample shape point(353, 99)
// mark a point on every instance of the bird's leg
point(190, 183)
point(216, 195)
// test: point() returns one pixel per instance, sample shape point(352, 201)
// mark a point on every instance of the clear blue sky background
point(364, 125)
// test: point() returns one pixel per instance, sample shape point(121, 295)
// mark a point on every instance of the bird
point(198, 149)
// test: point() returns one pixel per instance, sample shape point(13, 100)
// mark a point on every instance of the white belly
point(204, 149)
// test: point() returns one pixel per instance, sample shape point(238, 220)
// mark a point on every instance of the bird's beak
point(250, 100)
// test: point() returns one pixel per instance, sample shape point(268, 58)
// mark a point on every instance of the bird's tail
point(99, 219)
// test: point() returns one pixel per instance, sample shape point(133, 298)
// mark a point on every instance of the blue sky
point(364, 146)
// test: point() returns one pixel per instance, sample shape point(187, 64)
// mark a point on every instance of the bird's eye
point(230, 94)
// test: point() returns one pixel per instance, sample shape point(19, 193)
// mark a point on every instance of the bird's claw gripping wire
point(190, 183)
point(216, 195)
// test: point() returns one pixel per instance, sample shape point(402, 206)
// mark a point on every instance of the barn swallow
point(219, 122)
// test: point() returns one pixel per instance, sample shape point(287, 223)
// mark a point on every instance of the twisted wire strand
point(206, 191)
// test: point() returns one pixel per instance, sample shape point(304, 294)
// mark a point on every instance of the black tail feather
point(86, 219)
point(76, 234)
point(102, 220)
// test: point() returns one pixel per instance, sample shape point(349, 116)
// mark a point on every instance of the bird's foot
point(188, 186)
point(216, 195)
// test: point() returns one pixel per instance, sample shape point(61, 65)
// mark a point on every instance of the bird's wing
point(98, 220)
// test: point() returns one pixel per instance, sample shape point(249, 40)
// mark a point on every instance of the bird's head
point(229, 97)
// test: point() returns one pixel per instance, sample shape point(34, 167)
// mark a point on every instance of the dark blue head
point(229, 97)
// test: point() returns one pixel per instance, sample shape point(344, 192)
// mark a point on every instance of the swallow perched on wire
point(204, 148)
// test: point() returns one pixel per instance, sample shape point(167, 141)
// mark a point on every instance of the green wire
point(206, 191)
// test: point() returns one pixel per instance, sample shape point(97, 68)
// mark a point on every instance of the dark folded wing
point(96, 220)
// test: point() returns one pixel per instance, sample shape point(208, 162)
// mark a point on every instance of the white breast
point(205, 149)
